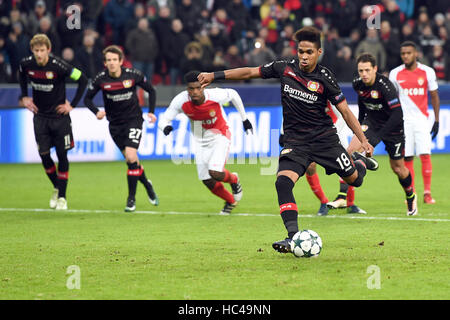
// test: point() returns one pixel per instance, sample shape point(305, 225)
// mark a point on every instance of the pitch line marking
point(233, 214)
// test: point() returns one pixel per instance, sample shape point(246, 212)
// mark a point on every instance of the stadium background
point(214, 35)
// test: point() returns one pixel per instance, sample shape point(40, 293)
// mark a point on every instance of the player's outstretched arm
point(245, 73)
point(354, 125)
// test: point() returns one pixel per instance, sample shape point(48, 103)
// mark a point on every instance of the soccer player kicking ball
point(118, 85)
point(52, 124)
point(413, 81)
point(212, 137)
point(309, 134)
point(381, 113)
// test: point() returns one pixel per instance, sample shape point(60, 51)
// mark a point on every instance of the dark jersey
point(119, 94)
point(47, 82)
point(377, 102)
point(304, 99)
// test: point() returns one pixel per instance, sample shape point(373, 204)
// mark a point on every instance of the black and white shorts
point(394, 144)
point(127, 134)
point(53, 132)
point(326, 151)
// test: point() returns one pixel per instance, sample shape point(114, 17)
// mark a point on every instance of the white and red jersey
point(413, 87)
point(207, 119)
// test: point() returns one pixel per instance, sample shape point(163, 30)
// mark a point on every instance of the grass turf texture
point(183, 249)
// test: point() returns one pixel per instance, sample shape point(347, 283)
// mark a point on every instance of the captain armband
point(75, 74)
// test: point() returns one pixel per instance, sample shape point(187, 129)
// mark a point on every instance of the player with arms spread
point(209, 126)
point(381, 114)
point(413, 81)
point(309, 134)
point(118, 85)
point(52, 124)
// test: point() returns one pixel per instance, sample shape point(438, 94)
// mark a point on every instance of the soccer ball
point(306, 243)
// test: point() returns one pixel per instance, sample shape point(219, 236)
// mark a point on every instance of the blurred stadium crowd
point(167, 38)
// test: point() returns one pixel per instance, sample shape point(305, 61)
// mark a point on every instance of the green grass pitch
point(183, 249)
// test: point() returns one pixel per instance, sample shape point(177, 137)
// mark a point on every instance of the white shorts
point(211, 156)
point(417, 138)
point(341, 127)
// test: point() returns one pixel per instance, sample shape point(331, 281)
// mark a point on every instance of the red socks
point(427, 170)
point(350, 196)
point(316, 188)
point(229, 177)
point(220, 191)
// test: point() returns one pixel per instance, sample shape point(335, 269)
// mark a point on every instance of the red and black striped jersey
point(304, 97)
point(119, 94)
point(377, 102)
point(48, 82)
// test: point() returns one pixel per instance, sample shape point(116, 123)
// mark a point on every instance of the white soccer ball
point(306, 243)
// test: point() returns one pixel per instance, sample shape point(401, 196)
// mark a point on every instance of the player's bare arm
point(435, 102)
point(354, 125)
point(246, 73)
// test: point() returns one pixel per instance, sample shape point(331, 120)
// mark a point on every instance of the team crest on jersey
point(364, 127)
point(374, 94)
point(420, 81)
point(313, 86)
point(127, 83)
point(212, 113)
point(284, 151)
point(49, 75)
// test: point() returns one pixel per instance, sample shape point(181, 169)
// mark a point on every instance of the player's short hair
point(310, 34)
point(367, 57)
point(408, 43)
point(40, 39)
point(113, 49)
point(191, 76)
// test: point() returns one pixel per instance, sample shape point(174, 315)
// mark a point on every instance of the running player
point(413, 80)
point(52, 124)
point(309, 134)
point(382, 117)
point(212, 137)
point(118, 85)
